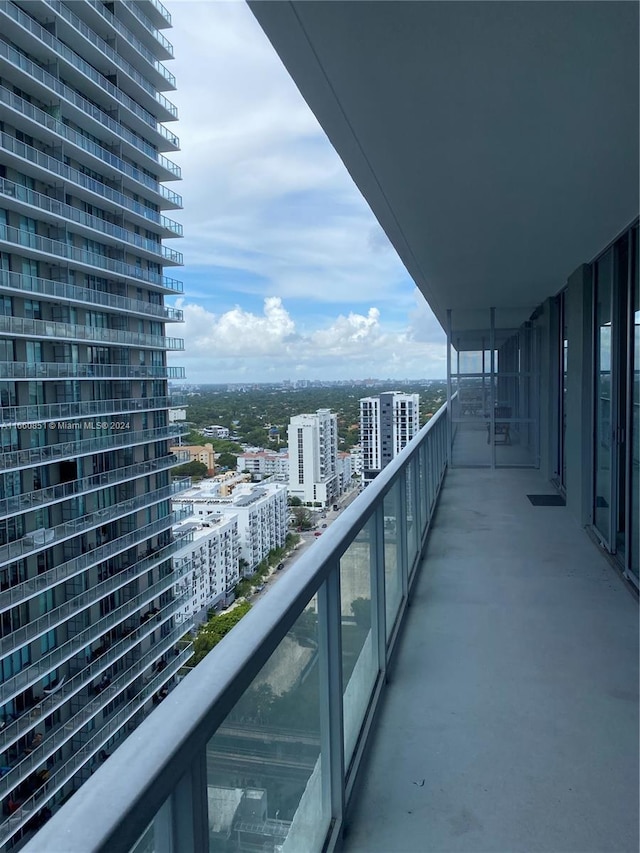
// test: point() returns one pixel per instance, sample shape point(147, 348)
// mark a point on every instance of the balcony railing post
point(331, 701)
point(190, 810)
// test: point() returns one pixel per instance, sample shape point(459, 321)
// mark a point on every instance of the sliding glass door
point(615, 505)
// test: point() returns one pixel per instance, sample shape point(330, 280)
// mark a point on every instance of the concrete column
point(579, 436)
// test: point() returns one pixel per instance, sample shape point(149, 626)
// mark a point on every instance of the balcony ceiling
point(496, 143)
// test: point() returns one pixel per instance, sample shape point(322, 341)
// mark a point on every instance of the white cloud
point(239, 345)
point(266, 197)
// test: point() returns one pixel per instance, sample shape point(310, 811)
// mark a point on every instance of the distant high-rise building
point(87, 598)
point(313, 455)
point(387, 423)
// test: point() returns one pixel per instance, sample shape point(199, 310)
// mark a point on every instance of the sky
point(287, 273)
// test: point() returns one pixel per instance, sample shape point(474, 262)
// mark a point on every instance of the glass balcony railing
point(56, 738)
point(74, 606)
point(161, 10)
point(20, 726)
point(113, 56)
point(142, 49)
point(62, 130)
point(82, 257)
point(28, 589)
point(25, 327)
point(65, 651)
point(56, 167)
point(84, 447)
point(74, 214)
point(61, 50)
point(287, 699)
point(68, 411)
point(43, 538)
point(146, 23)
point(53, 84)
point(87, 145)
point(28, 501)
point(25, 370)
point(21, 282)
point(90, 749)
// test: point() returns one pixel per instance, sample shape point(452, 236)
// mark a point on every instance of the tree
point(302, 517)
point(294, 500)
point(227, 460)
point(361, 609)
point(191, 469)
point(210, 634)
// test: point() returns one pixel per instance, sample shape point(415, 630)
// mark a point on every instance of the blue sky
point(287, 273)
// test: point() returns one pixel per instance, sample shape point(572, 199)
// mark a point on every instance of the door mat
point(547, 500)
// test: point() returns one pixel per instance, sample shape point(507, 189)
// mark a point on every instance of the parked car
point(335, 507)
point(324, 525)
point(259, 588)
point(318, 533)
point(279, 567)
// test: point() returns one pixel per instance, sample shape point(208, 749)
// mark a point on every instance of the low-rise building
point(199, 453)
point(261, 511)
point(265, 463)
point(208, 564)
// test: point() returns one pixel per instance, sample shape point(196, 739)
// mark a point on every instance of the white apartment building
point(356, 459)
point(215, 431)
point(345, 471)
point(261, 512)
point(265, 463)
point(207, 564)
point(313, 455)
point(387, 423)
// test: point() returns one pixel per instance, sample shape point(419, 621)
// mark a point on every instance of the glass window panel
point(392, 555)
point(264, 766)
point(411, 521)
point(635, 416)
point(359, 647)
point(602, 508)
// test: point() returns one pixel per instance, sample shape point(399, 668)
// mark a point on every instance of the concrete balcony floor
point(511, 719)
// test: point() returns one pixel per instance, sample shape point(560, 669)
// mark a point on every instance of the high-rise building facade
point(313, 455)
point(86, 576)
point(387, 423)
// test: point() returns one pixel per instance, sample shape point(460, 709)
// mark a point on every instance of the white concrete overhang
point(495, 142)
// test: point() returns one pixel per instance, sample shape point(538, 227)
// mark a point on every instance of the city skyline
point(287, 272)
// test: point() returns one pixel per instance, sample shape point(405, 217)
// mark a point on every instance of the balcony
point(164, 78)
point(55, 370)
point(25, 327)
point(85, 108)
point(43, 538)
point(511, 712)
point(37, 499)
point(142, 19)
point(14, 19)
point(62, 291)
point(54, 411)
point(44, 248)
point(17, 195)
point(83, 447)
